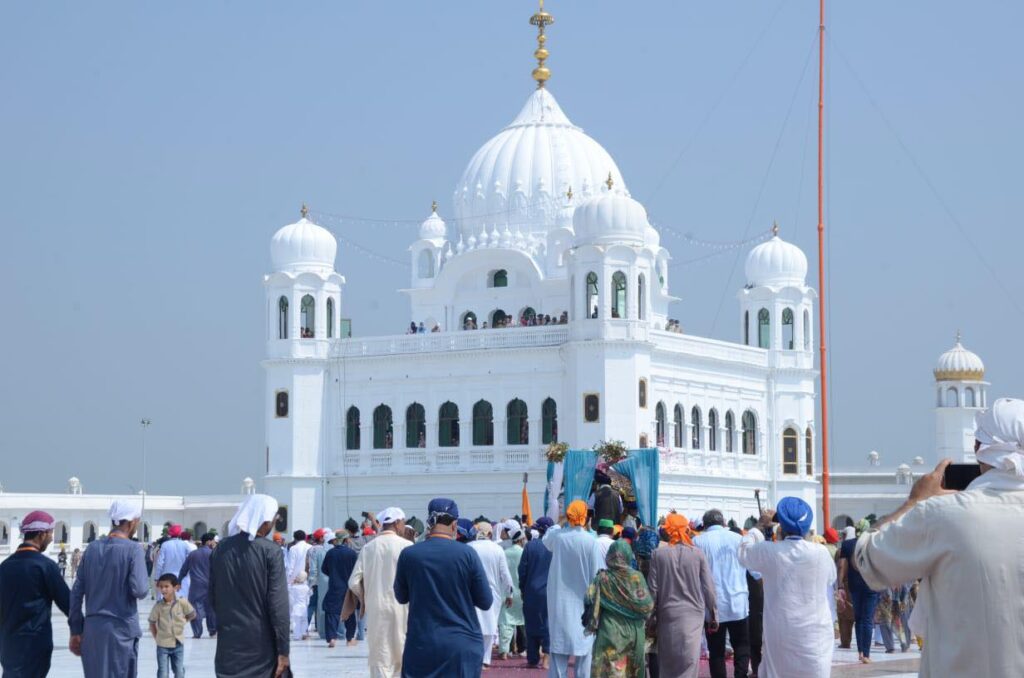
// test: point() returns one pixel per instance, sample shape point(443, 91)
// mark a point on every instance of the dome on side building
point(303, 246)
point(959, 364)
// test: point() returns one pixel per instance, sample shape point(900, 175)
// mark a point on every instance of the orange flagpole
point(821, 268)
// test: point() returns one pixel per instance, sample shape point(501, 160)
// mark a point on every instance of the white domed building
point(544, 227)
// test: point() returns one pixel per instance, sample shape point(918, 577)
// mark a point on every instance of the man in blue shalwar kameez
point(444, 583)
point(533, 583)
point(111, 580)
point(30, 583)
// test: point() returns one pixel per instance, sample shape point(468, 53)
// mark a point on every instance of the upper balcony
point(441, 342)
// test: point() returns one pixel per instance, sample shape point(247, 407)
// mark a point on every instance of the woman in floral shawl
point(620, 603)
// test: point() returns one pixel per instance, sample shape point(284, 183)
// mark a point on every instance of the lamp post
point(145, 423)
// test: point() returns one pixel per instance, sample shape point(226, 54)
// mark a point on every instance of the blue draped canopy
point(640, 466)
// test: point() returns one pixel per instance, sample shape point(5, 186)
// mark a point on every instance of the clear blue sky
point(148, 151)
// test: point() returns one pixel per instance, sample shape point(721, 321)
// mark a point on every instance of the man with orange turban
point(575, 559)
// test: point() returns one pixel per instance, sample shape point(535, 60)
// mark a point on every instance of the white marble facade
point(543, 225)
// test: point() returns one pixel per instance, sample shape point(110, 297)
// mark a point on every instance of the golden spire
point(775, 227)
point(433, 207)
point(568, 194)
point(540, 20)
point(609, 182)
point(304, 211)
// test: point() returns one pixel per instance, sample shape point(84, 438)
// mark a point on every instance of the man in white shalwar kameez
point(798, 578)
point(575, 560)
point(373, 581)
point(492, 557)
point(967, 547)
point(295, 561)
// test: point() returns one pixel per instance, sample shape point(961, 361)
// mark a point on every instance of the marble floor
point(311, 658)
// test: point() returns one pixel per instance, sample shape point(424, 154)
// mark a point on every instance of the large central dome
point(520, 176)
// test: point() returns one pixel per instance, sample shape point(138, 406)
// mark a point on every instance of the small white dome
point(776, 263)
point(433, 227)
point(303, 246)
point(959, 364)
point(611, 217)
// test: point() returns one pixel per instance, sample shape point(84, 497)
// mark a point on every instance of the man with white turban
point(111, 580)
point(249, 595)
point(968, 548)
point(798, 577)
point(372, 581)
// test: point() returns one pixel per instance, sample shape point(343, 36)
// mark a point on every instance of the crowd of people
point(596, 593)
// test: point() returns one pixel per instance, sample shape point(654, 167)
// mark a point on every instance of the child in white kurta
point(298, 602)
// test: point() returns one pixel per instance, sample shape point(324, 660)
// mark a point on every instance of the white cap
point(391, 514)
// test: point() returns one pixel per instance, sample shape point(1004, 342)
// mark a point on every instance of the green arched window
point(590, 300)
point(330, 317)
point(415, 426)
point(282, 318)
point(499, 278)
point(789, 452)
point(483, 423)
point(619, 295)
point(788, 340)
point(518, 426)
point(764, 329)
point(383, 429)
point(352, 428)
point(749, 422)
point(307, 319)
point(549, 423)
point(448, 425)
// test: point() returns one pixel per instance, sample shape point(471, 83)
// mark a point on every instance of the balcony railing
point(462, 340)
point(710, 348)
point(441, 459)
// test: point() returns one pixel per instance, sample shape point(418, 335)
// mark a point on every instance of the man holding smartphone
point(967, 548)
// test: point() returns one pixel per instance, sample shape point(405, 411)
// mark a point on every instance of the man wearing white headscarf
point(111, 580)
point(968, 548)
point(249, 595)
point(373, 582)
point(492, 557)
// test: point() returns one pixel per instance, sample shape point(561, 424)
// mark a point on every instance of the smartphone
point(959, 476)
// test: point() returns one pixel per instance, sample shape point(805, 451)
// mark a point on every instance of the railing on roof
point(462, 340)
point(709, 348)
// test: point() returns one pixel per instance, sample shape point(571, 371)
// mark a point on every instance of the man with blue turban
point(443, 583)
point(799, 577)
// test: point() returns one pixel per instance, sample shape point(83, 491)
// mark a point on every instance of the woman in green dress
point(620, 603)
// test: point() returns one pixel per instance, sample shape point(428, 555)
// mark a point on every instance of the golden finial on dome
point(304, 211)
point(609, 182)
point(775, 228)
point(568, 194)
point(541, 19)
point(433, 207)
point(958, 336)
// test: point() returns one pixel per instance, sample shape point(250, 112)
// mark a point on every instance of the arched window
point(764, 329)
point(730, 431)
point(660, 424)
point(952, 397)
point(307, 316)
point(809, 451)
point(749, 433)
point(499, 278)
point(383, 431)
point(712, 430)
point(807, 330)
point(517, 424)
point(89, 532)
point(330, 317)
point(469, 320)
point(640, 290)
point(746, 328)
point(61, 533)
point(695, 423)
point(643, 441)
point(642, 393)
point(787, 329)
point(969, 400)
point(5, 534)
point(789, 460)
point(448, 425)
point(145, 530)
point(425, 264)
point(677, 417)
point(199, 529)
point(281, 404)
point(352, 428)
point(415, 426)
point(282, 318)
point(619, 295)
point(527, 316)
point(483, 423)
point(499, 318)
point(590, 299)
point(549, 421)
